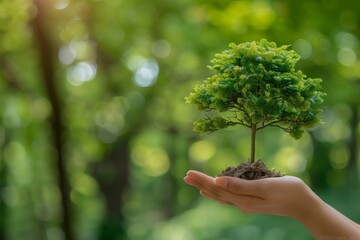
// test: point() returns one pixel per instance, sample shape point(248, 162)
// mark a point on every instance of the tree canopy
point(258, 83)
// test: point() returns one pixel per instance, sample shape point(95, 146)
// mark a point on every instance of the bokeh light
point(153, 161)
point(202, 151)
point(161, 48)
point(346, 56)
point(303, 48)
point(146, 75)
point(339, 156)
point(80, 73)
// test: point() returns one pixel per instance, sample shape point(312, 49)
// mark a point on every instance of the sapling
point(256, 86)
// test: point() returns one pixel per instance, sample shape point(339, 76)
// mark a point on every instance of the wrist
point(307, 205)
point(323, 221)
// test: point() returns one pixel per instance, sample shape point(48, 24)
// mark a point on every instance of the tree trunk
point(353, 146)
point(3, 184)
point(46, 58)
point(320, 164)
point(253, 141)
point(112, 174)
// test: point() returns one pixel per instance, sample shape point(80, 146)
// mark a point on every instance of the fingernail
point(187, 180)
point(221, 182)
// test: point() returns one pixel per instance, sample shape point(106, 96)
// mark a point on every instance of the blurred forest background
point(95, 137)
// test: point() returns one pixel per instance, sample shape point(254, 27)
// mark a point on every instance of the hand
point(284, 196)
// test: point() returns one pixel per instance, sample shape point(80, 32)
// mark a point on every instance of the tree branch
point(270, 124)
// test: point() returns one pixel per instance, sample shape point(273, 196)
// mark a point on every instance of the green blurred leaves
point(180, 36)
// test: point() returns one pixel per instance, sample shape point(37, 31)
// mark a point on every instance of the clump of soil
point(250, 171)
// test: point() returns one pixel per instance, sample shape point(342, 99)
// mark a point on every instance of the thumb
point(240, 186)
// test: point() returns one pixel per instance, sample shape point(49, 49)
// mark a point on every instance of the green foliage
point(257, 82)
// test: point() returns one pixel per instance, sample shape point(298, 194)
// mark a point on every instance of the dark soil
point(250, 171)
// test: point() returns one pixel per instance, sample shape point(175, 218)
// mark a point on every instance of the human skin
point(282, 196)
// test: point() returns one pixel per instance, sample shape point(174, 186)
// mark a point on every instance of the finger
point(210, 185)
point(205, 182)
point(199, 185)
point(257, 188)
point(202, 181)
point(205, 191)
point(247, 204)
point(250, 204)
point(226, 203)
point(216, 198)
point(193, 182)
point(202, 178)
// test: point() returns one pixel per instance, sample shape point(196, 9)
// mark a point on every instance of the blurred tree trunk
point(169, 198)
point(46, 59)
point(3, 185)
point(112, 171)
point(112, 174)
point(353, 146)
point(320, 164)
point(3, 167)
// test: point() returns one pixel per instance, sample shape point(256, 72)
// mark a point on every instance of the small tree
point(257, 83)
